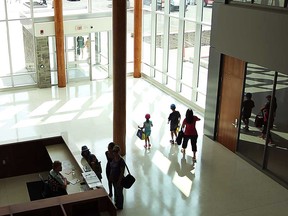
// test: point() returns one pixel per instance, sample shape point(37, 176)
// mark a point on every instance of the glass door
point(100, 55)
point(263, 137)
point(77, 57)
point(87, 57)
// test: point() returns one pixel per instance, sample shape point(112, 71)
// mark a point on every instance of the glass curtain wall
point(264, 139)
point(18, 43)
point(17, 66)
point(130, 38)
point(178, 42)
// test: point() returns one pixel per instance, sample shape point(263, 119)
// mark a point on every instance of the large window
point(22, 54)
point(181, 46)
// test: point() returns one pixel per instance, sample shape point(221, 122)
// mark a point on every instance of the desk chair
point(46, 192)
point(55, 188)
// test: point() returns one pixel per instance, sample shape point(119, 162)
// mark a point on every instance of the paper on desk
point(74, 181)
point(91, 179)
point(67, 171)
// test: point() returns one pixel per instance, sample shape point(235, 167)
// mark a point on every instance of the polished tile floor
point(168, 183)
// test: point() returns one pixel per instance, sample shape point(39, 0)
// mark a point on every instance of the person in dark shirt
point(109, 157)
point(247, 106)
point(95, 164)
point(174, 119)
point(266, 110)
point(117, 166)
point(85, 152)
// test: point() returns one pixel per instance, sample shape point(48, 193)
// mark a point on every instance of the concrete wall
point(43, 62)
point(255, 35)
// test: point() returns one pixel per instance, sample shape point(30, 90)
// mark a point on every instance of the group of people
point(115, 168)
point(188, 127)
point(247, 106)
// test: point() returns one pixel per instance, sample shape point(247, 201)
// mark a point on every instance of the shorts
point(173, 127)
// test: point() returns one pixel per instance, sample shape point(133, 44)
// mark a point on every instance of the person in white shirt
point(57, 182)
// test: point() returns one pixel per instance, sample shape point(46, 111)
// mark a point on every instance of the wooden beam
point(59, 36)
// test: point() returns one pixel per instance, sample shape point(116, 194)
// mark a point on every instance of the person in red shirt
point(190, 132)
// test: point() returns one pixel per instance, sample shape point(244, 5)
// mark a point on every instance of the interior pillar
point(59, 36)
point(137, 38)
point(119, 73)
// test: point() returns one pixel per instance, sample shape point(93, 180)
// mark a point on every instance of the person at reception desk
point(116, 175)
point(109, 156)
point(85, 152)
point(57, 182)
point(96, 166)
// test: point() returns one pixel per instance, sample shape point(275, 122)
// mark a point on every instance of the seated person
point(96, 166)
point(57, 182)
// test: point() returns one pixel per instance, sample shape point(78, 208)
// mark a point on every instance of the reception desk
point(86, 203)
point(70, 167)
point(81, 200)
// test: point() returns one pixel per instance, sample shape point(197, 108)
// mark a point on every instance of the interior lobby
point(187, 72)
point(167, 182)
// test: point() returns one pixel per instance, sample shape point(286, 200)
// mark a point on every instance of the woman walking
point(109, 156)
point(190, 132)
point(116, 176)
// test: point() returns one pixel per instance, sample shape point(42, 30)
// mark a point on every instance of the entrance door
point(77, 57)
point(86, 57)
point(233, 71)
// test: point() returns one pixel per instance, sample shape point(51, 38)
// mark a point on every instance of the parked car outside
point(205, 2)
point(174, 4)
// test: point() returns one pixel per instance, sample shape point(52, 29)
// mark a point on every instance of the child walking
point(174, 119)
point(147, 130)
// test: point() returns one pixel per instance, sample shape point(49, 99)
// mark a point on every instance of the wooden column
point(137, 38)
point(59, 36)
point(119, 73)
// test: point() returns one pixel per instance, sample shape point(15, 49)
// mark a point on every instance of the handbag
point(259, 120)
point(140, 134)
point(180, 137)
point(128, 180)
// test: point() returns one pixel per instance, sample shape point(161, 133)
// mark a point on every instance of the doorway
point(77, 57)
point(87, 57)
point(233, 72)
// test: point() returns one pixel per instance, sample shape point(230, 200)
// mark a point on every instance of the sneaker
point(183, 150)
point(172, 141)
point(145, 146)
point(149, 146)
point(194, 159)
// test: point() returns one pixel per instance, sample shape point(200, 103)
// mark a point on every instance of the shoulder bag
point(128, 180)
